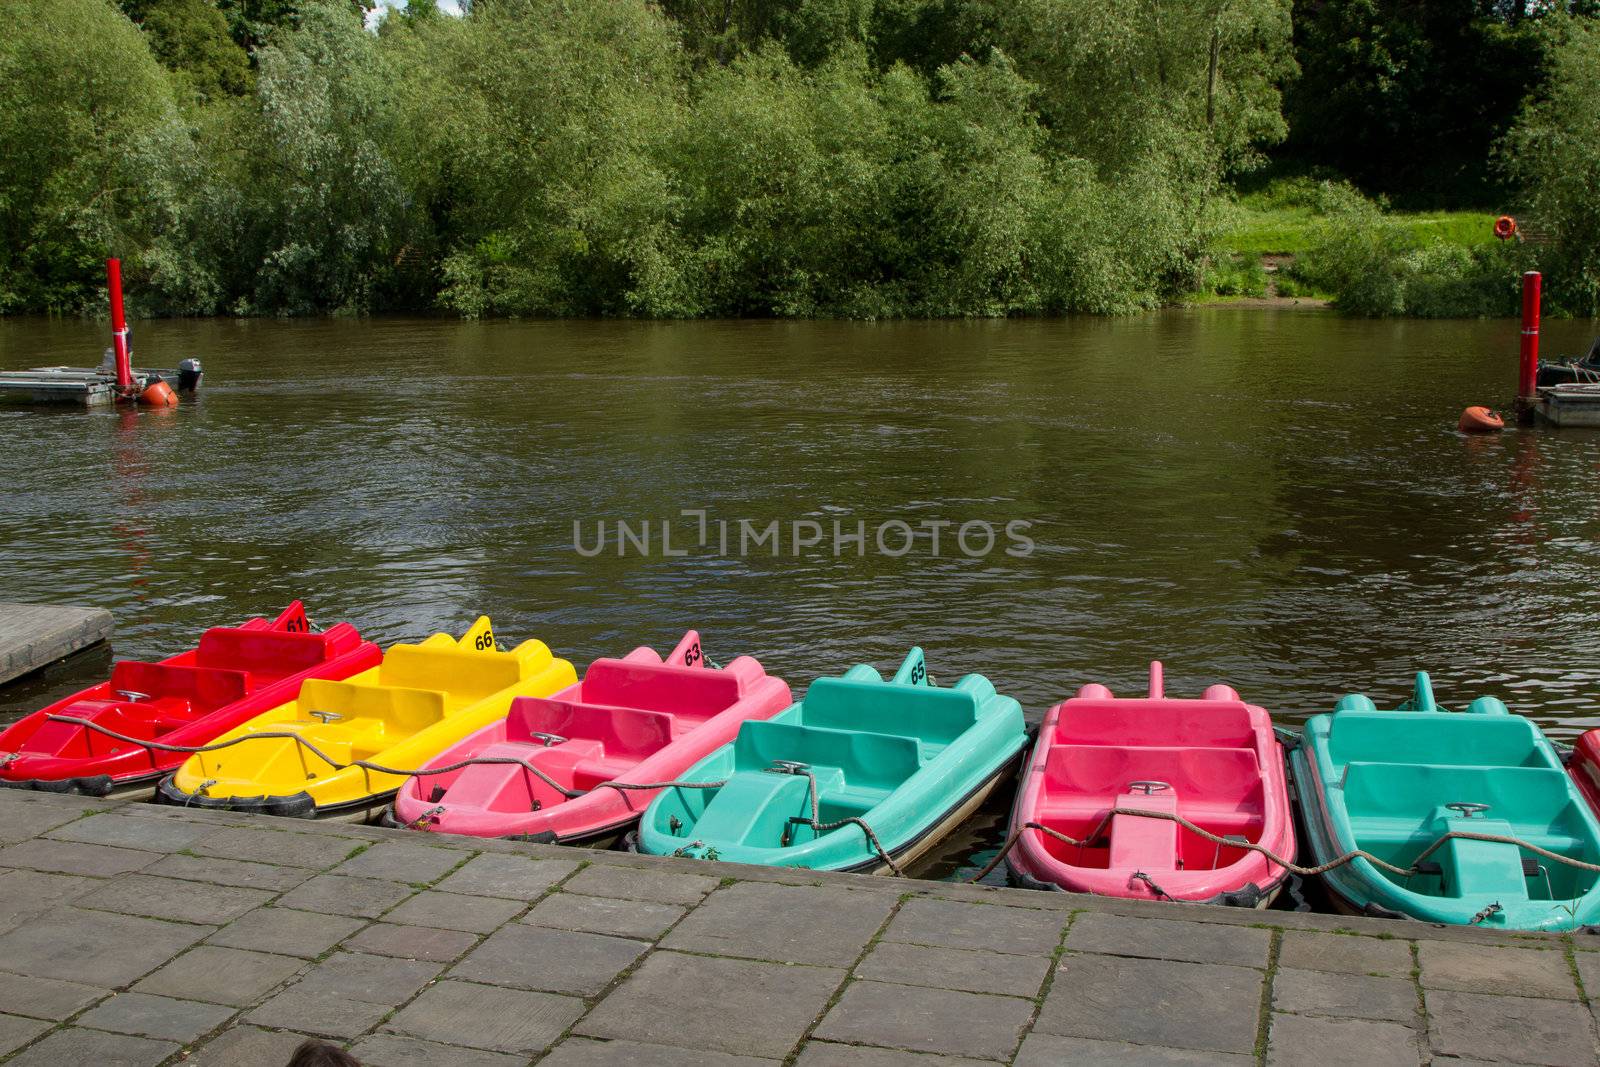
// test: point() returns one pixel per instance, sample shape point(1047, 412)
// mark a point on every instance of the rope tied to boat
point(1151, 882)
point(1288, 865)
point(1485, 913)
point(819, 827)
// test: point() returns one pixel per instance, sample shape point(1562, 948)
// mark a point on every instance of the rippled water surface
point(1276, 499)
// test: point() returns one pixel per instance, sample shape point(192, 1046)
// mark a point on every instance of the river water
point(1277, 499)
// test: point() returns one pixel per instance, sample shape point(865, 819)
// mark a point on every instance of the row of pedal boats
point(1468, 817)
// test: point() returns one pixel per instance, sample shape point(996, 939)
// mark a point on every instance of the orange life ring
point(1480, 420)
point(1505, 227)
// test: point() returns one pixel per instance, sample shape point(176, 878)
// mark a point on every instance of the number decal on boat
point(484, 642)
point(692, 656)
point(918, 673)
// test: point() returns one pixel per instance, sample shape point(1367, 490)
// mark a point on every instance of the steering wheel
point(1468, 809)
point(325, 716)
point(132, 694)
point(1148, 787)
point(547, 739)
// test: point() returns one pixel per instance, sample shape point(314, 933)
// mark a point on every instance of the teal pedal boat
point(1394, 783)
point(908, 758)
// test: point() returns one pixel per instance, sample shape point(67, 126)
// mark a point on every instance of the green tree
point(80, 98)
point(192, 39)
point(1553, 153)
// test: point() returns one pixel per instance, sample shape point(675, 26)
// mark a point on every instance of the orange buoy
point(158, 394)
point(1480, 420)
point(1505, 227)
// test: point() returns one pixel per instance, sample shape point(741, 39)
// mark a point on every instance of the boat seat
point(1217, 774)
point(467, 675)
point(624, 732)
point(273, 653)
point(880, 761)
point(396, 711)
point(202, 688)
point(934, 716)
point(695, 693)
point(1444, 738)
point(1529, 796)
point(1156, 723)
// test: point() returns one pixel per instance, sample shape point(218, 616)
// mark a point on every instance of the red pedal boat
point(1214, 762)
point(236, 673)
point(634, 720)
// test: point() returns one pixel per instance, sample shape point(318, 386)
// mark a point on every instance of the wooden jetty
point(70, 385)
point(1570, 404)
point(36, 635)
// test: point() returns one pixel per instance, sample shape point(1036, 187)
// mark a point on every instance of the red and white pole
point(1528, 370)
point(119, 326)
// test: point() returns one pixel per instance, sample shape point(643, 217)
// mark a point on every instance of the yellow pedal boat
point(420, 700)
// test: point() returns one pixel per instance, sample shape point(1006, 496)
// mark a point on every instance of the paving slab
point(401, 862)
point(1522, 972)
point(46, 998)
point(286, 931)
point(1167, 939)
point(373, 979)
point(823, 925)
point(1049, 1050)
point(168, 898)
point(392, 1050)
point(26, 817)
point(78, 1046)
point(318, 851)
point(15, 1031)
point(990, 927)
point(634, 883)
point(513, 877)
point(833, 1054)
point(587, 1052)
point(98, 947)
point(130, 831)
point(316, 1012)
point(487, 1017)
point(1347, 953)
point(452, 911)
point(247, 1046)
point(556, 961)
point(725, 1005)
point(338, 895)
point(152, 1016)
point(412, 942)
point(953, 968)
point(927, 1020)
point(222, 975)
point(1298, 1039)
point(1351, 996)
point(241, 873)
point(74, 857)
point(1208, 1007)
point(1521, 1029)
point(605, 915)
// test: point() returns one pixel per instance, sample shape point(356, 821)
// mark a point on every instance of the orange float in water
point(1480, 420)
point(158, 394)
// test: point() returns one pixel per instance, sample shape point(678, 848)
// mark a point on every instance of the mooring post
point(119, 326)
point(1528, 368)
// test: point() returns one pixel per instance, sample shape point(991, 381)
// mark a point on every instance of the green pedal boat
point(1396, 783)
point(898, 763)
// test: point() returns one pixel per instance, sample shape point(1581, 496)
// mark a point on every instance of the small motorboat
point(418, 701)
point(1114, 774)
point(1583, 370)
point(1446, 797)
point(633, 721)
point(859, 770)
point(232, 675)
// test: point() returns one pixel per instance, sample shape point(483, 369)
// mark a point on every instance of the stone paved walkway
point(140, 935)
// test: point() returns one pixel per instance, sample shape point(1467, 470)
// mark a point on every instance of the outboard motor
point(189, 375)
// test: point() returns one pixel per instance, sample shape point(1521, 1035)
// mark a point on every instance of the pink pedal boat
point(635, 720)
point(1215, 762)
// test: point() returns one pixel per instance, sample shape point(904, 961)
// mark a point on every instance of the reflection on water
point(1277, 500)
